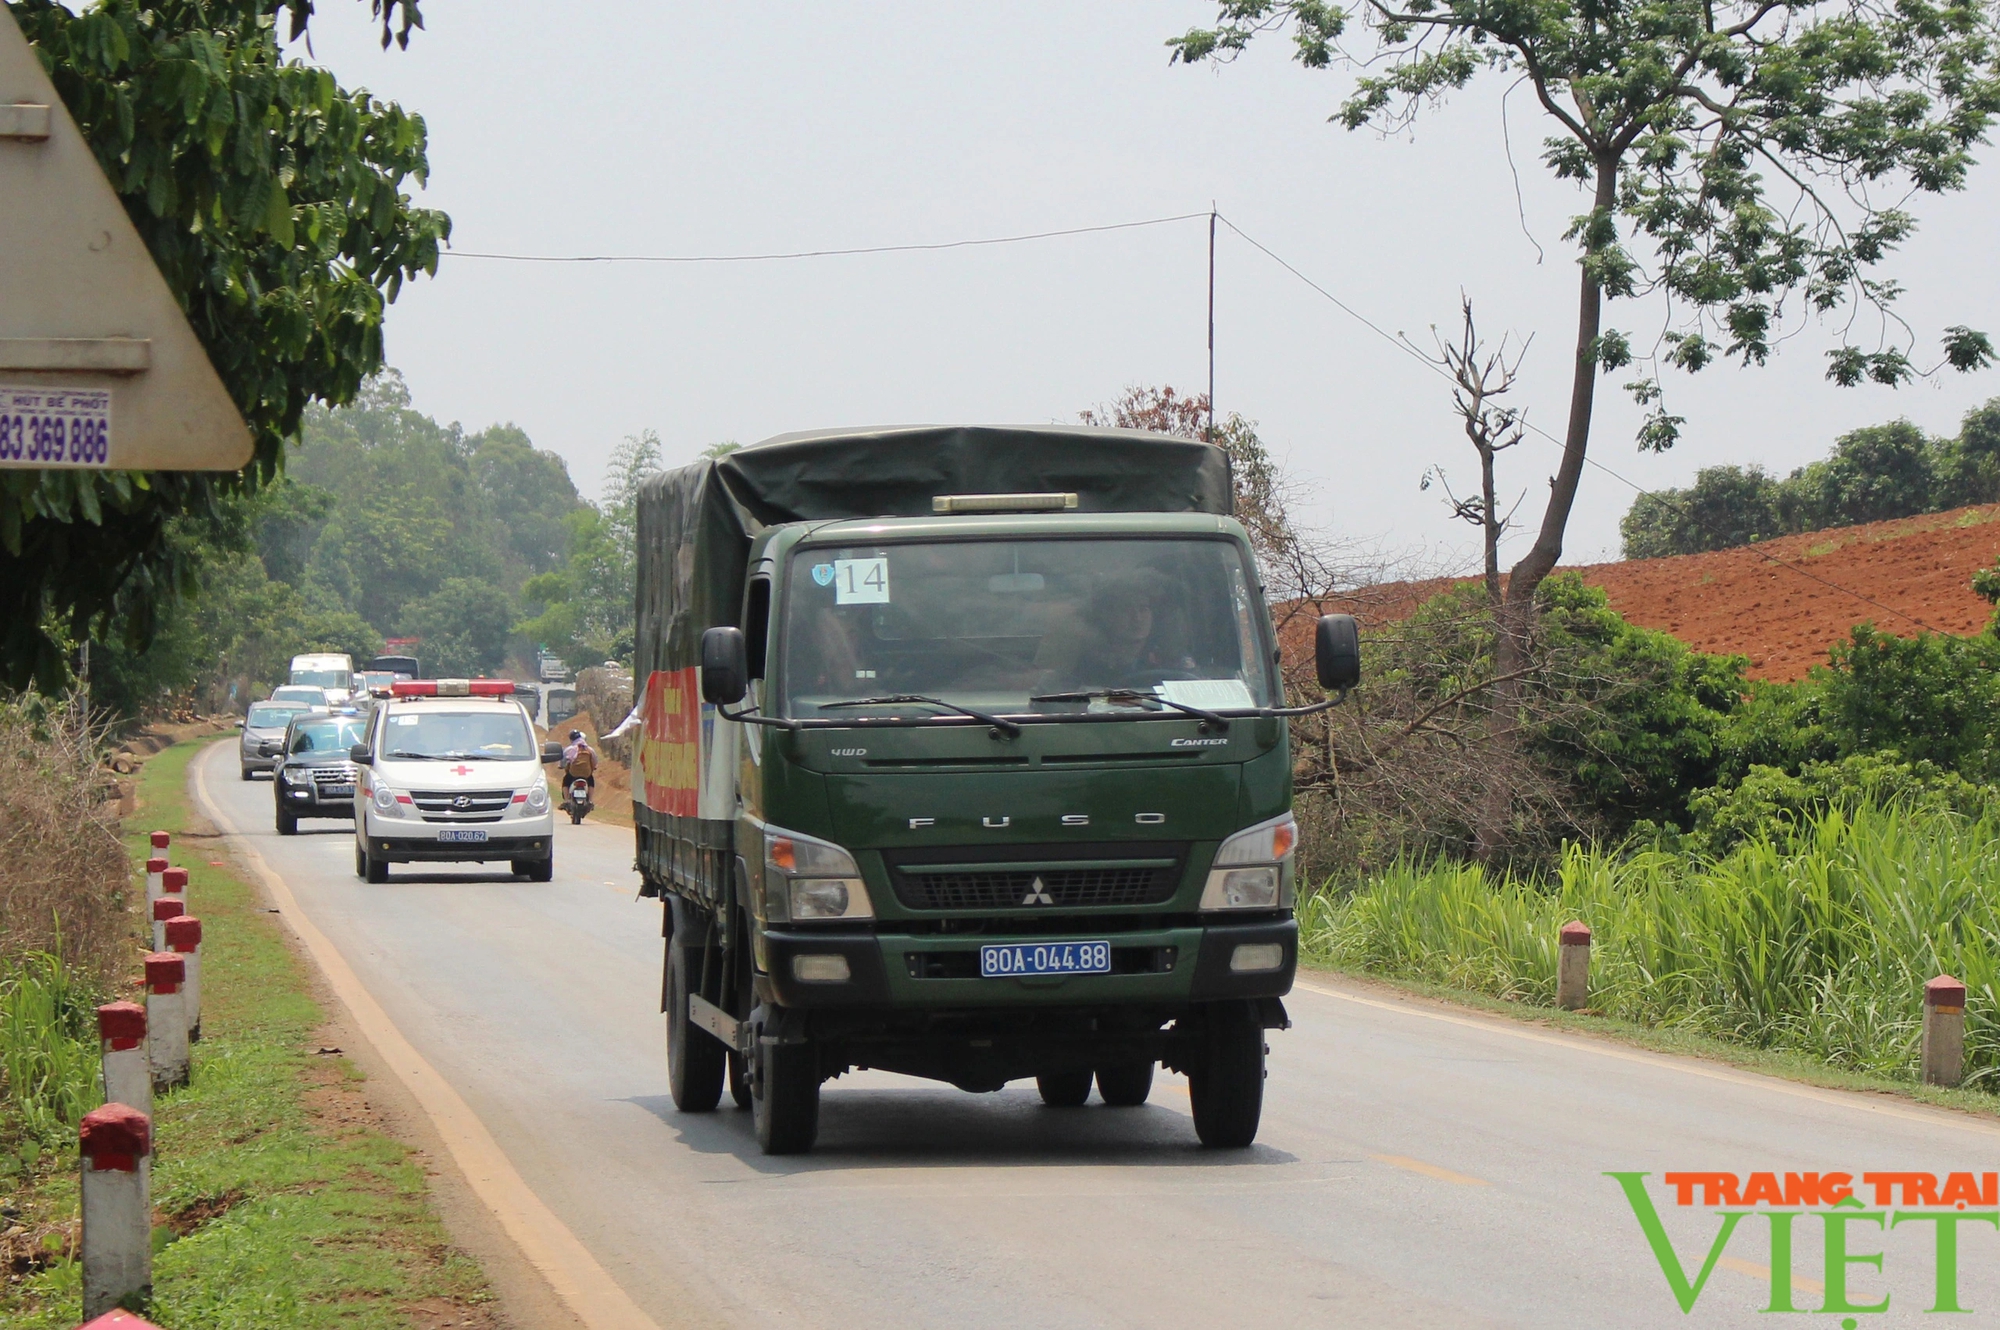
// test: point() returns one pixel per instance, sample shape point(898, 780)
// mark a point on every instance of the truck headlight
point(807, 879)
point(1253, 868)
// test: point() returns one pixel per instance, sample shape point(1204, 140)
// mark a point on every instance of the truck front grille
point(1049, 876)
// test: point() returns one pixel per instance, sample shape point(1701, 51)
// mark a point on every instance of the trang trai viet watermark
point(1848, 1213)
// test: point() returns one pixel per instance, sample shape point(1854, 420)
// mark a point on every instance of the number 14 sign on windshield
point(55, 426)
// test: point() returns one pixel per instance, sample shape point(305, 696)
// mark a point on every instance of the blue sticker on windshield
point(823, 574)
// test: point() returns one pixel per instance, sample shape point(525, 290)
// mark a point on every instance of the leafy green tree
point(1740, 160)
point(272, 200)
point(527, 492)
point(465, 626)
point(1876, 473)
point(1725, 507)
point(1932, 697)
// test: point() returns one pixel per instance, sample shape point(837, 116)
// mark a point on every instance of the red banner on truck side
point(669, 748)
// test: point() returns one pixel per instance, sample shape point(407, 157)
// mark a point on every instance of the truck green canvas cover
point(695, 525)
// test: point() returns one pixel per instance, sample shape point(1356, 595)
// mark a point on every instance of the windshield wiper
point(1151, 701)
point(415, 757)
point(1006, 727)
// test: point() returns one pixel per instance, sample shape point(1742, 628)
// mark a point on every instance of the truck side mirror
point(359, 755)
point(725, 666)
point(551, 752)
point(1337, 652)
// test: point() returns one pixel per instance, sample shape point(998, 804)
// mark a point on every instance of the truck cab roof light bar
point(1003, 503)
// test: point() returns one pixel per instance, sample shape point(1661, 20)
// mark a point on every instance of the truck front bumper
point(1202, 963)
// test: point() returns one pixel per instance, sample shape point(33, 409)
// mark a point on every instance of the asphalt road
point(1417, 1166)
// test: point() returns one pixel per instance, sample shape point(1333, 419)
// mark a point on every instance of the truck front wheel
point(694, 1057)
point(784, 1096)
point(1226, 1086)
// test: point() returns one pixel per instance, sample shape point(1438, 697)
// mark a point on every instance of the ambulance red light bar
point(452, 688)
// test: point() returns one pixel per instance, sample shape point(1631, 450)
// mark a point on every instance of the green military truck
point(963, 754)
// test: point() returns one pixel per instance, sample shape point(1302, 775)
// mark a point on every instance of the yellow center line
point(1430, 1170)
point(1763, 1272)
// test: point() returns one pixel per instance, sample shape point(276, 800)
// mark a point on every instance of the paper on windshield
point(1208, 694)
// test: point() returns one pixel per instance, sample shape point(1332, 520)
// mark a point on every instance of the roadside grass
point(1805, 950)
point(276, 1202)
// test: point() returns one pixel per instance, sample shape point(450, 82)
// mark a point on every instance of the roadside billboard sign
point(98, 366)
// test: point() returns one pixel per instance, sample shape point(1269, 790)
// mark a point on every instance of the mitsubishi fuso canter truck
point(962, 753)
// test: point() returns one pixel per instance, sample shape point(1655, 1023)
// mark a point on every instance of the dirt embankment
point(1783, 602)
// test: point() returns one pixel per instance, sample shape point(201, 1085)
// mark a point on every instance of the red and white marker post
point(128, 1074)
point(161, 840)
point(116, 1142)
point(184, 940)
point(165, 908)
point(1573, 966)
point(1944, 1031)
point(156, 868)
point(166, 1020)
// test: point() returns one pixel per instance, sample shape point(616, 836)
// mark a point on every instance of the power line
point(821, 253)
point(1435, 368)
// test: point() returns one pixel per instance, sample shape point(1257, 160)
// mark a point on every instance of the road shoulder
point(1697, 1054)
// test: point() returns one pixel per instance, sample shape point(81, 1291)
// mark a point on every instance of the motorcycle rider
point(579, 760)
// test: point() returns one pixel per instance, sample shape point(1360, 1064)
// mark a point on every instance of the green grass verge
point(276, 1202)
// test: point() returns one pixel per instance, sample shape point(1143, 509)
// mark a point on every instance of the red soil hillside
point(1748, 602)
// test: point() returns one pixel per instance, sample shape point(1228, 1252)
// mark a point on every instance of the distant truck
point(331, 672)
point(962, 753)
point(403, 666)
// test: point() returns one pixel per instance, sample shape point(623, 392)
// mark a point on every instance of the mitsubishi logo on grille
point(462, 802)
point(1038, 894)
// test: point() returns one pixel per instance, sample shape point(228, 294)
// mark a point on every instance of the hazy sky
point(639, 127)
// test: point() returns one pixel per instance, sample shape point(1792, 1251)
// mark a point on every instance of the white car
point(449, 772)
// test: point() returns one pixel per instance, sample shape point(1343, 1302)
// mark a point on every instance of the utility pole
point(1211, 320)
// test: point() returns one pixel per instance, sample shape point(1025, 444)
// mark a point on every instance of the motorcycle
point(576, 800)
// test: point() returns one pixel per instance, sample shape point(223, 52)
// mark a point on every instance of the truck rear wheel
point(694, 1057)
point(739, 1080)
point(1125, 1084)
point(1227, 1086)
point(784, 1096)
point(1064, 1089)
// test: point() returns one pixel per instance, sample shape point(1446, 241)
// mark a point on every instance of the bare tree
point(1480, 377)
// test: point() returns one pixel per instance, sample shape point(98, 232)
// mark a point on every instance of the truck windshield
point(1000, 625)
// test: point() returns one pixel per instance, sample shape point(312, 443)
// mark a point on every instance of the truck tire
point(784, 1097)
point(1064, 1089)
point(367, 867)
point(287, 824)
point(694, 1057)
point(739, 1080)
point(1125, 1084)
point(1227, 1086)
point(535, 870)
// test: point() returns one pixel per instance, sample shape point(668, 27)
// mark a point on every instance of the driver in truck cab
point(1123, 637)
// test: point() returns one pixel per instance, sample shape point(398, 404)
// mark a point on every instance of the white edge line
point(571, 1271)
point(1858, 1101)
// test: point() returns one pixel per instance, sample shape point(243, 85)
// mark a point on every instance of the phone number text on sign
point(55, 426)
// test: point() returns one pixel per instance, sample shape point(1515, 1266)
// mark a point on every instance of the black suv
point(314, 776)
